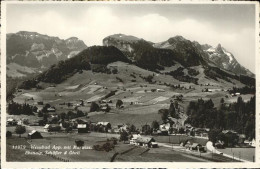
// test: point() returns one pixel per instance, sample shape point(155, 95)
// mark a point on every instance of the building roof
point(82, 126)
point(144, 139)
point(103, 123)
point(229, 131)
point(10, 120)
point(32, 132)
point(47, 126)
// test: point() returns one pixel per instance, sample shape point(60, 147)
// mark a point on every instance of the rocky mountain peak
point(219, 49)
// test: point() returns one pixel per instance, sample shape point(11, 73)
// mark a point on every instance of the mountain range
point(31, 51)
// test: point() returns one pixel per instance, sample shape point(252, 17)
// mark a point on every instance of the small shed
point(34, 135)
point(82, 128)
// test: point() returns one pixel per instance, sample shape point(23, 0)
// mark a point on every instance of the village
point(169, 133)
point(147, 116)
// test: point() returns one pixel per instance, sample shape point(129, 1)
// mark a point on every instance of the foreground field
point(125, 152)
point(242, 153)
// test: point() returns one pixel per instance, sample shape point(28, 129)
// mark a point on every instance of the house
point(34, 135)
point(104, 107)
point(40, 103)
point(122, 127)
point(82, 128)
point(252, 143)
point(51, 109)
point(145, 141)
point(229, 132)
point(241, 138)
point(11, 122)
point(105, 124)
point(160, 90)
point(164, 129)
point(134, 138)
point(46, 127)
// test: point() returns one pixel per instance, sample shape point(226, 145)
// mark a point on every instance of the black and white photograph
point(129, 82)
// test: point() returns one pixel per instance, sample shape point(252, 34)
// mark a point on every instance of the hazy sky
point(233, 26)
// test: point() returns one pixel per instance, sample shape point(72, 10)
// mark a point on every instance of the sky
point(231, 25)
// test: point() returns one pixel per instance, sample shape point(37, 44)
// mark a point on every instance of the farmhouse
point(134, 138)
point(160, 90)
point(40, 103)
point(51, 109)
point(34, 135)
point(11, 122)
point(46, 127)
point(145, 141)
point(82, 128)
point(105, 124)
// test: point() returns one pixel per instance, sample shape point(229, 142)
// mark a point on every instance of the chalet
point(160, 90)
point(40, 103)
point(19, 122)
point(11, 122)
point(229, 132)
point(51, 109)
point(34, 135)
point(134, 138)
point(104, 107)
point(242, 138)
point(54, 128)
point(105, 124)
point(145, 141)
point(46, 127)
point(252, 143)
point(82, 128)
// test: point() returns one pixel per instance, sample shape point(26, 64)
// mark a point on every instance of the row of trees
point(243, 90)
point(238, 116)
point(18, 109)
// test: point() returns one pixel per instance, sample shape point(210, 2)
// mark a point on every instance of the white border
point(5, 164)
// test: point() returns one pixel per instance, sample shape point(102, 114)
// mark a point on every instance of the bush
point(94, 107)
point(8, 134)
point(20, 130)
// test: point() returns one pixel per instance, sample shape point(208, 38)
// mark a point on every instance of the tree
point(68, 129)
point(213, 135)
point(80, 113)
point(124, 136)
point(40, 114)
point(119, 103)
point(172, 110)
point(94, 107)
point(132, 128)
point(155, 125)
point(20, 130)
point(79, 143)
point(62, 116)
point(8, 134)
point(146, 129)
point(86, 114)
point(181, 131)
point(164, 114)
